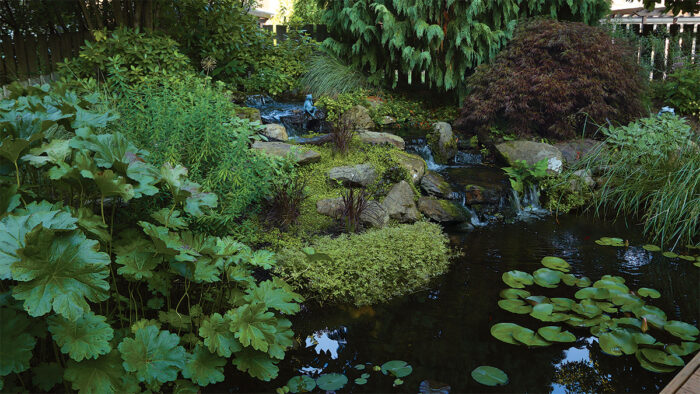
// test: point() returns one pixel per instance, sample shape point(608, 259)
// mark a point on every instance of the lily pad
point(529, 337)
point(626, 299)
point(610, 241)
point(597, 293)
point(682, 330)
point(643, 339)
point(657, 356)
point(331, 381)
point(614, 278)
point(556, 263)
point(583, 282)
point(512, 294)
point(686, 257)
point(542, 311)
point(606, 307)
point(546, 277)
point(629, 322)
point(650, 366)
point(301, 384)
point(562, 304)
point(359, 367)
point(517, 279)
point(670, 255)
point(397, 368)
point(569, 279)
point(587, 308)
point(504, 332)
point(617, 342)
point(651, 248)
point(489, 376)
point(647, 292)
point(611, 285)
point(555, 334)
point(515, 306)
point(361, 380)
point(684, 349)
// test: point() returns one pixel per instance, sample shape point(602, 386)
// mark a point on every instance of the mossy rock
point(250, 113)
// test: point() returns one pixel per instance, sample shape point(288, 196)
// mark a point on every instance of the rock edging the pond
point(281, 149)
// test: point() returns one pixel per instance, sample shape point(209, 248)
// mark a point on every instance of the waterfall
point(423, 150)
point(529, 204)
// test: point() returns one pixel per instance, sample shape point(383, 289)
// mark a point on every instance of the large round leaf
point(203, 367)
point(546, 277)
point(651, 366)
point(154, 356)
point(611, 241)
point(562, 304)
point(597, 293)
point(587, 308)
point(617, 342)
point(331, 381)
point(682, 330)
point(542, 311)
point(529, 337)
point(684, 348)
point(515, 306)
point(555, 334)
point(87, 337)
point(258, 364)
point(517, 279)
point(16, 344)
point(651, 248)
point(583, 282)
point(301, 384)
point(102, 375)
point(569, 279)
point(647, 292)
point(217, 335)
point(512, 294)
point(489, 376)
point(504, 332)
point(611, 285)
point(658, 356)
point(397, 368)
point(47, 375)
point(556, 263)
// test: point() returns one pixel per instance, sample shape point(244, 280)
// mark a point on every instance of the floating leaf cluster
point(335, 381)
point(619, 317)
point(690, 256)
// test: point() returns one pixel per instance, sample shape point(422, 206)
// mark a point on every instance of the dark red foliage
point(549, 78)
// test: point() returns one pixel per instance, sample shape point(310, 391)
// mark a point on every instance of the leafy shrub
point(523, 176)
point(370, 267)
point(652, 172)
point(552, 77)
point(681, 90)
point(130, 304)
point(444, 39)
point(124, 57)
point(190, 121)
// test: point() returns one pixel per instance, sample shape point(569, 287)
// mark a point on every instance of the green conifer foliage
point(443, 38)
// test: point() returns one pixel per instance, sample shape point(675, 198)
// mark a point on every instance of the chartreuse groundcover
point(102, 288)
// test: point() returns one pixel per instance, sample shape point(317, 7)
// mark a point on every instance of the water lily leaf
point(686, 258)
point(647, 292)
point(682, 330)
point(515, 306)
point(610, 241)
point(597, 293)
point(514, 293)
point(643, 339)
point(331, 381)
point(47, 375)
point(606, 307)
point(504, 332)
point(360, 381)
point(60, 271)
point(101, 375)
point(542, 311)
point(651, 248)
point(555, 334)
point(562, 304)
point(631, 300)
point(650, 366)
point(583, 282)
point(569, 279)
point(258, 364)
point(587, 308)
point(16, 344)
point(529, 337)
point(490, 376)
point(217, 336)
point(87, 337)
point(611, 285)
point(397, 368)
point(534, 300)
point(629, 322)
point(670, 255)
point(302, 384)
point(359, 367)
point(617, 342)
point(556, 263)
point(517, 279)
point(653, 314)
point(203, 367)
point(154, 356)
point(546, 277)
point(684, 349)
point(657, 356)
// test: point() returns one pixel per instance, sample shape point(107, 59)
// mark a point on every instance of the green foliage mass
point(681, 90)
point(193, 122)
point(443, 38)
point(523, 176)
point(564, 192)
point(652, 170)
point(370, 267)
point(96, 250)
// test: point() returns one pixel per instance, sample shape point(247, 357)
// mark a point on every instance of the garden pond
point(443, 333)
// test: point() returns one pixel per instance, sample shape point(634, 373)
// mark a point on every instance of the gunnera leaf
point(60, 271)
point(153, 355)
point(47, 375)
point(331, 381)
point(556, 263)
point(9, 199)
point(284, 339)
point(98, 376)
point(170, 219)
point(92, 224)
point(489, 376)
point(682, 330)
point(302, 384)
point(86, 337)
point(258, 364)
point(517, 279)
point(204, 368)
point(217, 335)
point(16, 344)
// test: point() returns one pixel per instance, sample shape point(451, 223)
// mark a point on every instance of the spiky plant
point(330, 76)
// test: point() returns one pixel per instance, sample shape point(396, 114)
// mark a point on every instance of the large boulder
point(357, 118)
point(441, 211)
point(414, 164)
point(374, 214)
point(250, 113)
point(532, 152)
point(442, 142)
point(361, 175)
point(377, 138)
point(400, 204)
point(281, 149)
point(332, 207)
point(575, 150)
point(435, 185)
point(275, 131)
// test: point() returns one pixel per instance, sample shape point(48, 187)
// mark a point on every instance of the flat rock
point(361, 175)
point(400, 203)
point(441, 211)
point(532, 152)
point(378, 138)
point(414, 164)
point(435, 185)
point(575, 150)
point(281, 149)
point(275, 131)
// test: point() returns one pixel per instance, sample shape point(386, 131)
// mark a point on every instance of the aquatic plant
point(490, 376)
point(605, 308)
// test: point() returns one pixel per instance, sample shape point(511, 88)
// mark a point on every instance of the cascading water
point(291, 115)
point(528, 205)
point(421, 148)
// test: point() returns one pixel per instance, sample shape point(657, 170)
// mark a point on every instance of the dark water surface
point(444, 332)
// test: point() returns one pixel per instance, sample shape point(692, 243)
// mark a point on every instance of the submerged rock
point(532, 152)
point(400, 203)
point(275, 131)
point(361, 175)
point(435, 185)
point(281, 149)
point(357, 118)
point(442, 142)
point(441, 211)
point(377, 138)
point(414, 164)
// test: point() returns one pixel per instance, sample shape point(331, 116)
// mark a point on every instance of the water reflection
point(327, 341)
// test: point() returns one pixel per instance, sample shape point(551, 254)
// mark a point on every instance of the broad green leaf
point(183, 386)
point(529, 337)
point(301, 384)
point(9, 199)
point(514, 293)
point(569, 279)
point(597, 293)
point(490, 376)
point(275, 297)
point(583, 282)
point(253, 325)
point(556, 263)
point(397, 368)
point(175, 319)
point(617, 342)
point(155, 303)
point(137, 259)
point(555, 334)
point(647, 292)
point(515, 306)
point(59, 272)
point(258, 364)
point(102, 375)
point(217, 335)
point(546, 277)
point(587, 308)
point(652, 248)
point(331, 381)
point(170, 219)
point(50, 152)
point(670, 255)
point(204, 368)
point(47, 375)
point(142, 323)
point(682, 330)
point(651, 366)
point(284, 339)
point(611, 285)
point(92, 224)
point(684, 349)
point(562, 304)
point(154, 356)
point(111, 184)
point(504, 332)
point(517, 279)
point(12, 148)
point(16, 344)
point(542, 311)
point(87, 337)
point(658, 356)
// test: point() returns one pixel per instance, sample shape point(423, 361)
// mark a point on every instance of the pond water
point(444, 332)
